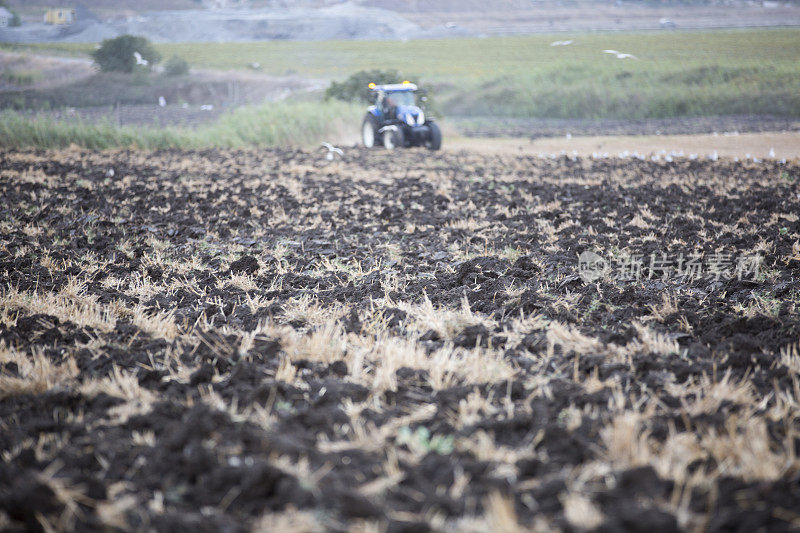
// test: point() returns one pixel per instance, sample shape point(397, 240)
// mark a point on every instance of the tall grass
point(295, 124)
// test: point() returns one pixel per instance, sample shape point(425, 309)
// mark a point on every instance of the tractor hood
point(411, 115)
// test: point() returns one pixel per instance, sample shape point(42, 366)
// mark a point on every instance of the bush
point(119, 54)
point(356, 87)
point(176, 66)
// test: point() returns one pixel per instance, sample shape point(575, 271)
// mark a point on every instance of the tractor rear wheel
point(369, 131)
point(435, 137)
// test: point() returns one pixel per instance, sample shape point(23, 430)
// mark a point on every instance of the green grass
point(677, 74)
point(20, 77)
point(682, 73)
point(281, 124)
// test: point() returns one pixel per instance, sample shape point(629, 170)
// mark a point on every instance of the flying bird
point(562, 43)
point(139, 59)
point(332, 151)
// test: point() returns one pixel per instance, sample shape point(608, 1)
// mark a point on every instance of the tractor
point(396, 121)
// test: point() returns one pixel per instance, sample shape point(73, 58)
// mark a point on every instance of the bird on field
point(139, 59)
point(332, 151)
point(772, 153)
point(620, 55)
point(562, 43)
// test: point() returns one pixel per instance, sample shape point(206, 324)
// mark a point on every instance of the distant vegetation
point(677, 73)
point(126, 53)
point(356, 87)
point(296, 124)
point(20, 77)
point(176, 66)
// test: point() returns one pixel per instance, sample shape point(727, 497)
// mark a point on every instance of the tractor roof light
point(372, 85)
point(406, 82)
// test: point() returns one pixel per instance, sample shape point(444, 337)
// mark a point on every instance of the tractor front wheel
point(394, 139)
point(369, 131)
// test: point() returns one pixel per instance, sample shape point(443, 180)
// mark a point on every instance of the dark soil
point(228, 340)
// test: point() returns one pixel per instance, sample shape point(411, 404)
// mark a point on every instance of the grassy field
point(295, 124)
point(676, 73)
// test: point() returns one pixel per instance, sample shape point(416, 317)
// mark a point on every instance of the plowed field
point(267, 340)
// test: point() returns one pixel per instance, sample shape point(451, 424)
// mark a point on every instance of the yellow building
point(59, 15)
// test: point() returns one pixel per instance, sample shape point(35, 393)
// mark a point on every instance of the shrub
point(119, 54)
point(176, 66)
point(356, 87)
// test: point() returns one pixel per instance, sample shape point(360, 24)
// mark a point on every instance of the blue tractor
point(395, 120)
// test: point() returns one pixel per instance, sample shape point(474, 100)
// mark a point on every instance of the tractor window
point(400, 98)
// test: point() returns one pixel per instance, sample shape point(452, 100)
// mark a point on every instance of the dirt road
point(783, 144)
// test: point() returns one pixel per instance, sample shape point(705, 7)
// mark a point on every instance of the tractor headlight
point(409, 119)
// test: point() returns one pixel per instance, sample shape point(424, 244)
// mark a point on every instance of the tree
point(126, 54)
point(176, 66)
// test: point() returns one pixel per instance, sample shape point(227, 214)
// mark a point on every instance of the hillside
point(117, 7)
point(313, 20)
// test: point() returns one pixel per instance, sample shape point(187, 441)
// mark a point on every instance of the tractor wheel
point(369, 131)
point(394, 139)
point(435, 140)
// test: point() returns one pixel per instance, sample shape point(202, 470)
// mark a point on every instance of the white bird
point(139, 59)
point(714, 156)
point(332, 151)
point(162, 102)
point(620, 55)
point(207, 107)
point(772, 153)
point(562, 43)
